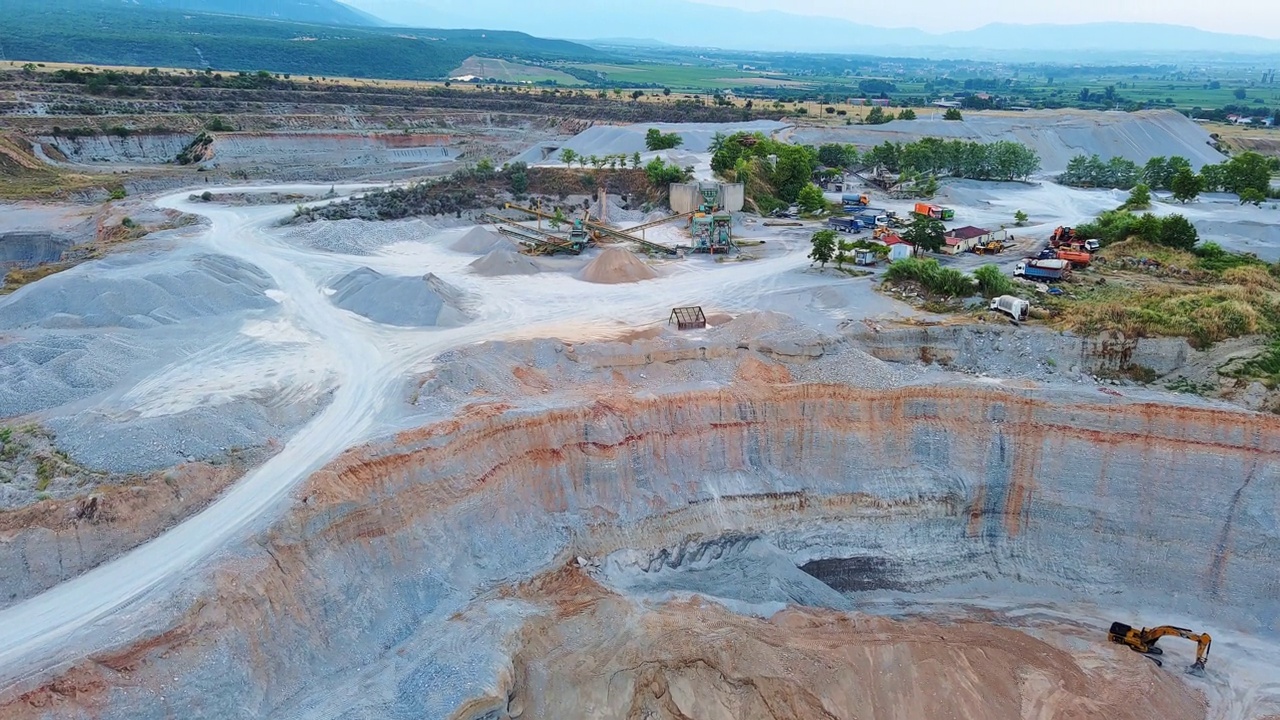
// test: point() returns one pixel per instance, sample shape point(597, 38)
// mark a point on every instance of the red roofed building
point(958, 240)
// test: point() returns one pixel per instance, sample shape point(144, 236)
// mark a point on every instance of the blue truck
point(845, 225)
point(854, 202)
point(870, 217)
point(1037, 269)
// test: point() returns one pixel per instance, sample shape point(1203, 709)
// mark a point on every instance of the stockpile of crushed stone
point(504, 261)
point(479, 241)
point(616, 265)
point(1056, 135)
point(125, 293)
point(406, 301)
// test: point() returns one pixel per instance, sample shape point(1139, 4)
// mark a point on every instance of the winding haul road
point(122, 600)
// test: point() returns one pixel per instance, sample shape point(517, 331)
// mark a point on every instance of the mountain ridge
point(770, 30)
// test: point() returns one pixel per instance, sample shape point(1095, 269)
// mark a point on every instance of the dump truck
point(1047, 270)
point(1077, 258)
point(845, 225)
point(873, 216)
point(855, 202)
point(937, 212)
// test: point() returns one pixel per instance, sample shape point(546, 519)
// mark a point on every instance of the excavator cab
point(1144, 641)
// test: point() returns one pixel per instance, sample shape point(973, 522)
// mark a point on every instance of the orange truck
point(937, 212)
point(1077, 258)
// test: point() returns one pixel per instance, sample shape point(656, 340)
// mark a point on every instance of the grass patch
point(1203, 315)
point(1265, 367)
point(1183, 385)
point(18, 277)
point(936, 281)
point(45, 471)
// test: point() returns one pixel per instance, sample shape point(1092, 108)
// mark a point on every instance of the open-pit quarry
point(371, 470)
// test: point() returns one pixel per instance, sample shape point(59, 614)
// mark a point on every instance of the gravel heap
point(407, 301)
point(358, 237)
point(140, 296)
point(616, 265)
point(504, 261)
point(478, 241)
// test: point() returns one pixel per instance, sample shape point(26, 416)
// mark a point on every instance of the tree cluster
point(1174, 231)
point(1003, 160)
point(655, 139)
point(1247, 175)
point(1094, 172)
point(751, 153)
point(661, 174)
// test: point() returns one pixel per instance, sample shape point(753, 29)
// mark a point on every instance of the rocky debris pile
point(616, 265)
point(504, 261)
point(140, 296)
point(478, 241)
point(360, 237)
point(50, 369)
point(406, 301)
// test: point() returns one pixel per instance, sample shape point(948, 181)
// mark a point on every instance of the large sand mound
point(504, 261)
point(406, 301)
point(616, 265)
point(478, 241)
point(1056, 135)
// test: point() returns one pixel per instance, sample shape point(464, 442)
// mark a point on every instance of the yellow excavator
point(1144, 641)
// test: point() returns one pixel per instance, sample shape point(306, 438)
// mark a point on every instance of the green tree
point(567, 156)
point(558, 219)
point(635, 160)
point(1020, 218)
point(655, 139)
point(810, 199)
point(1177, 232)
point(717, 143)
point(992, 282)
point(661, 174)
point(595, 161)
point(484, 167)
point(1251, 196)
point(1139, 197)
point(952, 114)
point(907, 114)
point(518, 174)
point(1186, 185)
point(877, 116)
point(834, 155)
point(824, 247)
point(1240, 93)
point(925, 233)
point(1247, 170)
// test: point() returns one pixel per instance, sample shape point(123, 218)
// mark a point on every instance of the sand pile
point(407, 301)
point(616, 265)
point(478, 241)
point(504, 261)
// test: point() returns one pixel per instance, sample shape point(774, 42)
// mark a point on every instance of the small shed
point(688, 318)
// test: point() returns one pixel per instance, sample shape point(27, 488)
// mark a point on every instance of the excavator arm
point(1144, 641)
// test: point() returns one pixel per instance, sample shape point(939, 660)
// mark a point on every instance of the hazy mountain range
point(680, 22)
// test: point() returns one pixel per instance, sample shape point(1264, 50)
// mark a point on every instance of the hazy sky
point(1247, 17)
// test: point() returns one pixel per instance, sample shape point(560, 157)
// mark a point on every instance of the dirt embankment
point(594, 653)
point(56, 539)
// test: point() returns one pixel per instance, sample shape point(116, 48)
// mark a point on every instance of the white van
point(1014, 307)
